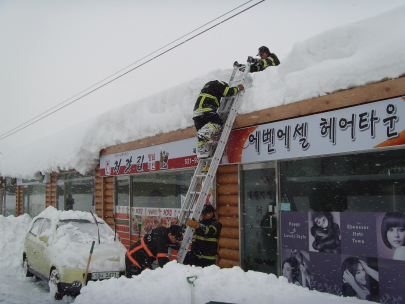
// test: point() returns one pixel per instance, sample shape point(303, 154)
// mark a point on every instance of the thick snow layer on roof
point(349, 56)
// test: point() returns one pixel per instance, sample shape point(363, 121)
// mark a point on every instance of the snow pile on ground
point(348, 56)
point(12, 231)
point(162, 285)
point(169, 285)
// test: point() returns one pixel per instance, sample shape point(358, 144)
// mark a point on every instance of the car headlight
point(76, 284)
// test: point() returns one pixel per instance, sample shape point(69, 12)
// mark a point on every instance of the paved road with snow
point(15, 289)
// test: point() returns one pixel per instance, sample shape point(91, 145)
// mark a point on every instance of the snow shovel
point(88, 264)
point(190, 280)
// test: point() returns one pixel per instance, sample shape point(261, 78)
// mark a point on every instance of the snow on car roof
point(52, 212)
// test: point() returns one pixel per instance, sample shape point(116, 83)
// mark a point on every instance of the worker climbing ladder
point(207, 167)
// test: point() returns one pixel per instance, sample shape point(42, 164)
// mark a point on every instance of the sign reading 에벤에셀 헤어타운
point(346, 253)
point(367, 126)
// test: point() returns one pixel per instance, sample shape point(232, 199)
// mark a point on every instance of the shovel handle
point(88, 264)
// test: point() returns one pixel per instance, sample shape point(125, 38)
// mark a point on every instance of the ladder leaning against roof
point(207, 167)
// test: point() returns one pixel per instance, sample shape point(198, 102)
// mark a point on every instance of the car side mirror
point(44, 238)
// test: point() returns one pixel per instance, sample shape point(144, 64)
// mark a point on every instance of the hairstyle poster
point(349, 254)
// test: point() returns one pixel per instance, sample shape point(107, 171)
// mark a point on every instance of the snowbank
point(169, 285)
point(12, 231)
point(162, 285)
point(349, 56)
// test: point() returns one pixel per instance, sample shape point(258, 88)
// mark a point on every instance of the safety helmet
point(263, 49)
point(177, 232)
point(207, 209)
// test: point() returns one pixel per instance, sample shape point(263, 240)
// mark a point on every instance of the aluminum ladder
point(207, 167)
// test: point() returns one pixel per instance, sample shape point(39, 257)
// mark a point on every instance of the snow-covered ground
point(163, 285)
point(353, 55)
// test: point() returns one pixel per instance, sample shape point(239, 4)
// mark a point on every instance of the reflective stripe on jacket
point(206, 239)
point(262, 64)
point(152, 246)
point(210, 97)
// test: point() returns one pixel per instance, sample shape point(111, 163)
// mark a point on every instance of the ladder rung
point(195, 200)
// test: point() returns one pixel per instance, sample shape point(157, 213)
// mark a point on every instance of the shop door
point(259, 245)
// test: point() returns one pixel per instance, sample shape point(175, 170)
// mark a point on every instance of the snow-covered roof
point(349, 56)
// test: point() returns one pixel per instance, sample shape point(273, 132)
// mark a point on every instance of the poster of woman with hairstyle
point(356, 276)
point(324, 230)
point(295, 267)
point(391, 235)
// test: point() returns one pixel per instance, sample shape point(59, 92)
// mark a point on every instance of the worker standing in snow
point(205, 116)
point(153, 246)
point(260, 64)
point(207, 230)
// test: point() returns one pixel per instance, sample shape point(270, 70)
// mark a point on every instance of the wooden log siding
point(19, 201)
point(228, 215)
point(51, 196)
point(104, 197)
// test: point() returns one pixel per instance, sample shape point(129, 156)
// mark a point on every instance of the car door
point(31, 243)
point(42, 252)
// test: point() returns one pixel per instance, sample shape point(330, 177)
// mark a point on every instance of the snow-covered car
point(57, 249)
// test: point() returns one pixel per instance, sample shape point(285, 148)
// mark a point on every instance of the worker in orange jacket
point(153, 246)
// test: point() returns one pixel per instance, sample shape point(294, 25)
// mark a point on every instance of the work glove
point(251, 60)
point(193, 223)
point(241, 87)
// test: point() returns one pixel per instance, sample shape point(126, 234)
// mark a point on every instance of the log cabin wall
point(19, 200)
point(51, 195)
point(104, 197)
point(228, 215)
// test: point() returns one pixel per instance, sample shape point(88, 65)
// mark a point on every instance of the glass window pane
point(60, 196)
point(79, 195)
point(160, 190)
point(364, 182)
point(35, 228)
point(45, 227)
point(37, 199)
point(9, 201)
point(122, 192)
point(26, 195)
point(259, 232)
point(75, 191)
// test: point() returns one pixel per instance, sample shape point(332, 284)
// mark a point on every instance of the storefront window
point(75, 191)
point(2, 200)
point(9, 201)
point(122, 193)
point(122, 208)
point(258, 218)
point(161, 190)
point(363, 182)
point(34, 199)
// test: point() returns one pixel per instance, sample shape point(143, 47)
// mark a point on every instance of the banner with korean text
point(373, 125)
point(173, 155)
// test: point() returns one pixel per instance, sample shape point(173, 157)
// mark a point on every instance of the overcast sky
point(53, 50)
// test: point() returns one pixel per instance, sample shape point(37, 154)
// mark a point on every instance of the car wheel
point(53, 284)
point(26, 272)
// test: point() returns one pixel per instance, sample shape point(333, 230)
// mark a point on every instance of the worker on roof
point(206, 119)
point(260, 64)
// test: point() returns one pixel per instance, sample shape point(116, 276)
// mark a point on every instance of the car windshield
point(83, 231)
